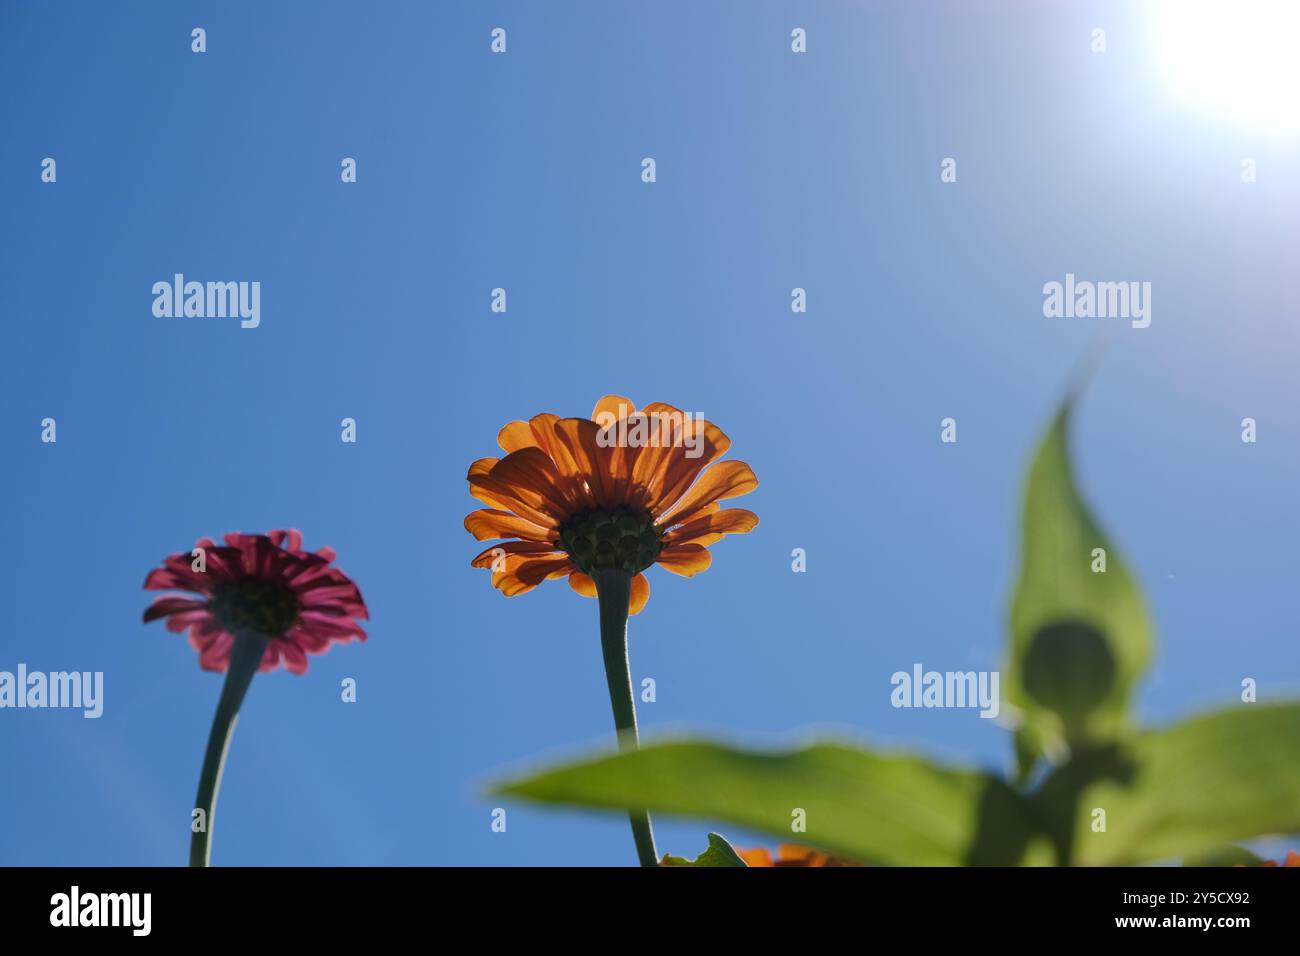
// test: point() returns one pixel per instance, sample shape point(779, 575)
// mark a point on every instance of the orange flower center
point(623, 538)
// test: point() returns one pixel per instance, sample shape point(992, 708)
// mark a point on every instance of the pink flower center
point(252, 604)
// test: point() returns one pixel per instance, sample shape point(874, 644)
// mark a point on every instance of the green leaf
point(719, 853)
point(856, 804)
point(1028, 751)
point(1080, 638)
point(1220, 778)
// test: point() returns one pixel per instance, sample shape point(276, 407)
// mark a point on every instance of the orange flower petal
point(650, 471)
point(727, 479)
point(578, 436)
point(516, 436)
point(525, 572)
point(489, 556)
point(548, 440)
point(482, 466)
point(622, 450)
point(709, 443)
point(612, 408)
point(572, 483)
point(710, 528)
point(490, 523)
point(533, 472)
point(646, 471)
point(687, 560)
point(640, 594)
point(583, 584)
point(523, 502)
point(672, 523)
point(792, 854)
point(620, 458)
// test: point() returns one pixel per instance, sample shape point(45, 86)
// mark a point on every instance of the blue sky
point(522, 171)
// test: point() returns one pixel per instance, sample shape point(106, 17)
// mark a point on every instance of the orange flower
point(792, 854)
point(1292, 859)
point(624, 489)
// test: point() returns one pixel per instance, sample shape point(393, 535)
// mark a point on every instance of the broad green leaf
point(864, 806)
point(1080, 637)
point(719, 853)
point(1221, 778)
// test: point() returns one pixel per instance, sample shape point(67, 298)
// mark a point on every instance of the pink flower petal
point(163, 606)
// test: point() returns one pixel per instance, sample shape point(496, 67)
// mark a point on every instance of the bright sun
point(1237, 59)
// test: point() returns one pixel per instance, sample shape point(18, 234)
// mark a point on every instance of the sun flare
point(1234, 59)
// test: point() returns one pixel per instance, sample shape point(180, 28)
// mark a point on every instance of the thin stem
point(245, 655)
point(614, 589)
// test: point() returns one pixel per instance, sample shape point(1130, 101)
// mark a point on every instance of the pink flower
point(259, 584)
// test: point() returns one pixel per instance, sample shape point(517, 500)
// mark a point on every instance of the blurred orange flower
point(792, 854)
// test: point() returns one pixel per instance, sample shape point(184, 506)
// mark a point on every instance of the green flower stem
point(614, 588)
point(244, 658)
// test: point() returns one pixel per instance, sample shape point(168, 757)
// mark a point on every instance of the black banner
point(336, 905)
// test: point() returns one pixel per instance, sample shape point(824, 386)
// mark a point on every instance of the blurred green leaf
point(1188, 789)
point(1079, 638)
point(1028, 751)
point(719, 853)
point(860, 805)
